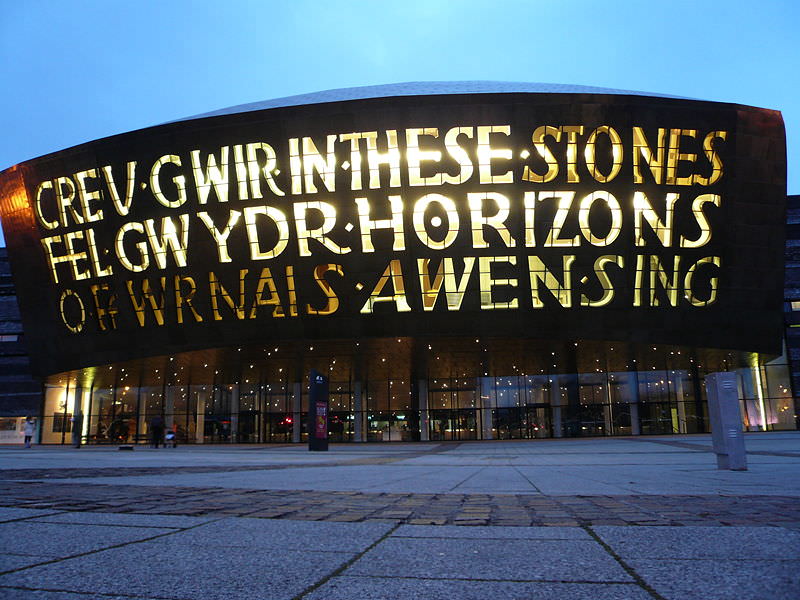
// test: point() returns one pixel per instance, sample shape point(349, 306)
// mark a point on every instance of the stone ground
point(599, 518)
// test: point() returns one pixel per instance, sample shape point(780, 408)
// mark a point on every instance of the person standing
point(156, 431)
point(29, 429)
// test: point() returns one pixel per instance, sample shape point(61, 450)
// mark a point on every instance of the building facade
point(463, 261)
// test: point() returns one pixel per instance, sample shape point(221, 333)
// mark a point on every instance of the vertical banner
point(317, 411)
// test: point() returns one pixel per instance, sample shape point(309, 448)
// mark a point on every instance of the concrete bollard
point(726, 421)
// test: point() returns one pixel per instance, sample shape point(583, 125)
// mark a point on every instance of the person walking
point(29, 429)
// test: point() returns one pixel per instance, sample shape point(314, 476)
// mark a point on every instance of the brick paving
point(413, 508)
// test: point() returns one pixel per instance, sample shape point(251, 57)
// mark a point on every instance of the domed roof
point(421, 88)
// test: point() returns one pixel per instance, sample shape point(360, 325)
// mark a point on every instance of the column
point(608, 416)
point(677, 385)
point(235, 414)
point(555, 405)
point(358, 412)
point(424, 416)
point(297, 411)
point(200, 430)
point(77, 417)
point(636, 425)
point(487, 418)
point(169, 406)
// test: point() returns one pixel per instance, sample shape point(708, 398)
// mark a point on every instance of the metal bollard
point(726, 421)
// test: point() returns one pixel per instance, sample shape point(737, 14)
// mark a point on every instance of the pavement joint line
point(345, 566)
point(112, 547)
point(466, 479)
point(628, 569)
point(528, 479)
point(495, 580)
point(93, 594)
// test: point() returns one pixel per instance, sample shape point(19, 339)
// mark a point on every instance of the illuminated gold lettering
point(240, 167)
point(77, 326)
point(415, 157)
point(186, 298)
point(642, 150)
point(94, 255)
point(221, 236)
point(367, 225)
point(178, 180)
point(713, 157)
point(451, 225)
point(45, 185)
point(52, 259)
point(215, 176)
point(603, 278)
point(75, 257)
point(486, 154)
point(671, 286)
point(64, 200)
point(304, 233)
point(675, 156)
point(458, 154)
point(265, 280)
point(589, 153)
point(539, 137)
point(295, 166)
point(148, 297)
point(637, 284)
point(313, 161)
point(554, 239)
point(375, 159)
point(713, 282)
point(446, 273)
point(487, 282)
point(572, 131)
point(616, 218)
point(642, 209)
point(106, 310)
point(217, 290)
point(86, 197)
point(122, 207)
point(292, 290)
point(702, 221)
point(355, 158)
point(394, 271)
point(333, 300)
point(540, 273)
point(169, 238)
point(277, 218)
point(477, 201)
point(119, 244)
point(255, 171)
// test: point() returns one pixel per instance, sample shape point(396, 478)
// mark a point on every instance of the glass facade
point(402, 390)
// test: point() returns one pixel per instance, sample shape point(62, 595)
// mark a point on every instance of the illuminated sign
point(627, 220)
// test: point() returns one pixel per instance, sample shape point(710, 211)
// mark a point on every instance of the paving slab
point(270, 535)
point(12, 593)
point(509, 559)
point(59, 540)
point(12, 562)
point(352, 588)
point(193, 572)
point(14, 514)
point(721, 580)
point(124, 519)
point(693, 542)
point(485, 533)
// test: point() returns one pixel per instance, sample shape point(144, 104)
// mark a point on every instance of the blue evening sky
point(77, 70)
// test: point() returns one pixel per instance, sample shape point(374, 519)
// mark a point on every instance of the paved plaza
point(598, 518)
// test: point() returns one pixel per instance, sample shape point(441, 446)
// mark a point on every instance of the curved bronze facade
point(523, 220)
